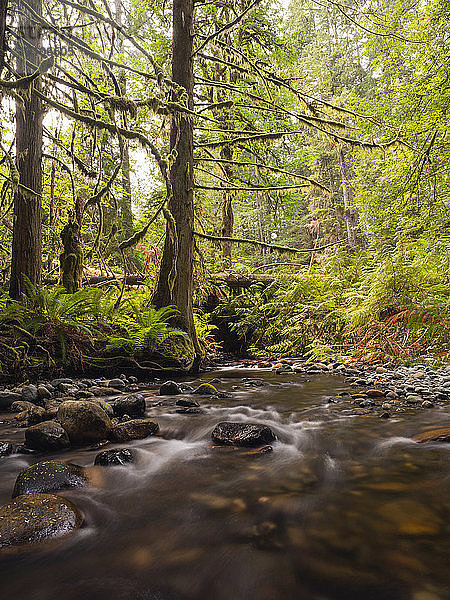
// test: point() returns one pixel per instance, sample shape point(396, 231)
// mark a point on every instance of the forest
point(224, 299)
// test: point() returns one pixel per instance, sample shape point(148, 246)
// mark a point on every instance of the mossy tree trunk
point(26, 256)
point(71, 258)
point(175, 281)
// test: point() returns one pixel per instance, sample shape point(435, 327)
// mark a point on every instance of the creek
point(345, 507)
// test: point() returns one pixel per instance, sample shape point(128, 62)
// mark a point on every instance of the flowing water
point(346, 507)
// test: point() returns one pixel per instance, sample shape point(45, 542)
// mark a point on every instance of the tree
point(26, 256)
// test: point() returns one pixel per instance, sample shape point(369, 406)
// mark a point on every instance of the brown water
point(344, 508)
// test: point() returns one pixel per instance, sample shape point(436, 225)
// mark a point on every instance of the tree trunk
point(26, 259)
point(354, 236)
point(227, 210)
point(71, 259)
point(175, 282)
point(3, 13)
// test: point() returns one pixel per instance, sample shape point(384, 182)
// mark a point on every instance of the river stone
point(84, 421)
point(37, 517)
point(7, 399)
point(48, 476)
point(205, 389)
point(34, 414)
point(116, 457)
point(55, 383)
point(186, 403)
point(133, 405)
point(68, 389)
point(374, 393)
point(436, 435)
point(43, 392)
point(135, 429)
point(6, 448)
point(104, 406)
point(169, 388)
point(21, 405)
point(104, 391)
point(48, 435)
point(30, 393)
point(242, 434)
point(119, 384)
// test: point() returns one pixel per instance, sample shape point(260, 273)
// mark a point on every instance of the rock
point(385, 415)
point(366, 403)
point(55, 383)
point(32, 415)
point(104, 391)
point(68, 389)
point(48, 435)
point(132, 379)
point(104, 406)
point(48, 476)
point(414, 399)
point(436, 435)
point(189, 411)
point(410, 518)
point(84, 421)
point(119, 456)
point(380, 370)
point(169, 388)
point(29, 393)
point(187, 403)
point(386, 406)
point(427, 404)
point(6, 448)
point(242, 434)
point(135, 429)
point(43, 393)
point(21, 405)
point(205, 389)
point(37, 517)
point(7, 399)
point(133, 405)
point(374, 393)
point(119, 384)
point(83, 394)
point(391, 395)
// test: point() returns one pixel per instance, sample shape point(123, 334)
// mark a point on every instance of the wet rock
point(436, 435)
point(374, 393)
point(205, 389)
point(119, 384)
point(55, 383)
point(386, 406)
point(84, 421)
point(21, 405)
point(242, 434)
point(116, 457)
point(104, 391)
point(189, 411)
point(37, 517)
point(366, 403)
point(104, 406)
point(7, 399)
point(132, 379)
point(48, 476)
point(380, 370)
point(135, 429)
point(385, 415)
point(169, 388)
point(186, 402)
point(6, 448)
point(391, 395)
point(43, 392)
point(29, 393)
point(414, 399)
point(48, 435)
point(427, 404)
point(32, 415)
point(68, 389)
point(83, 394)
point(133, 405)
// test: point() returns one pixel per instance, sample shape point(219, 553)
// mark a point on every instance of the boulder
point(43, 392)
point(242, 434)
point(118, 384)
point(187, 403)
point(68, 389)
point(37, 517)
point(48, 476)
point(169, 388)
point(205, 389)
point(104, 406)
point(374, 393)
point(133, 405)
point(7, 399)
point(116, 457)
point(32, 415)
point(84, 421)
point(135, 429)
point(21, 405)
point(47, 435)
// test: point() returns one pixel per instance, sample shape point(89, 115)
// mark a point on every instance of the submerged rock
point(135, 429)
point(187, 403)
point(116, 457)
point(37, 517)
point(84, 421)
point(436, 435)
point(170, 388)
point(49, 476)
point(6, 448)
point(133, 405)
point(48, 435)
point(242, 434)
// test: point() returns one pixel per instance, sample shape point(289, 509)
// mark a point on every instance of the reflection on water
point(345, 507)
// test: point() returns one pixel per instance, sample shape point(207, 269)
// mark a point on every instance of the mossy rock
point(206, 389)
point(134, 429)
point(36, 518)
point(84, 421)
point(48, 435)
point(49, 476)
